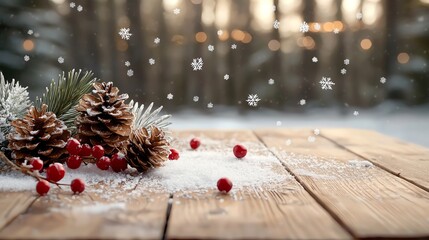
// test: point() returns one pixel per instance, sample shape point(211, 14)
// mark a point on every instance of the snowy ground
point(409, 124)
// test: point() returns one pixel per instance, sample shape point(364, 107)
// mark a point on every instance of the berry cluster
point(81, 152)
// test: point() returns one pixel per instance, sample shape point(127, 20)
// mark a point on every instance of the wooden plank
point(369, 201)
point(122, 215)
point(288, 212)
point(404, 159)
point(12, 204)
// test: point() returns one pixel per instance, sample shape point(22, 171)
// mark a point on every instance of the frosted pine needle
point(145, 118)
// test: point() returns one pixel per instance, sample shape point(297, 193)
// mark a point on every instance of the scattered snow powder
point(303, 172)
point(360, 163)
point(93, 208)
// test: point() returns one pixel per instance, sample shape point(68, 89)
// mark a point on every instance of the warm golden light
point(178, 39)
point(201, 37)
point(403, 58)
point(365, 44)
point(339, 25)
point(223, 35)
point(308, 42)
point(328, 27)
point(274, 45)
point(237, 35)
point(247, 38)
point(28, 45)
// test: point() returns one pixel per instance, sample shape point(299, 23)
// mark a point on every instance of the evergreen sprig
point(64, 94)
point(145, 118)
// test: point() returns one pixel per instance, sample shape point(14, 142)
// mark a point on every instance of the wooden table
point(391, 200)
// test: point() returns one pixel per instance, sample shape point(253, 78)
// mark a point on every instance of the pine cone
point(146, 150)
point(39, 134)
point(104, 118)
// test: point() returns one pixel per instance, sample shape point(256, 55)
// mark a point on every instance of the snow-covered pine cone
point(104, 119)
point(146, 149)
point(39, 134)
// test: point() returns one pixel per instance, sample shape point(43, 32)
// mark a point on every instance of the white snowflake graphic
point(170, 96)
point(302, 102)
point(336, 30)
point(317, 26)
point(61, 60)
point(359, 16)
point(270, 81)
point(314, 59)
point(30, 32)
point(26, 58)
point(79, 8)
point(276, 24)
point(278, 123)
point(316, 131)
point(343, 71)
point(356, 113)
point(125, 33)
point(346, 61)
point(127, 63)
point(151, 61)
point(311, 139)
point(326, 83)
point(304, 27)
point(234, 46)
point(210, 48)
point(197, 64)
point(383, 80)
point(130, 72)
point(72, 4)
point(157, 40)
point(253, 100)
point(196, 98)
point(210, 105)
point(176, 11)
point(226, 76)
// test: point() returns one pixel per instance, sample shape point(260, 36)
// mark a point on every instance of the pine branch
point(64, 94)
point(145, 118)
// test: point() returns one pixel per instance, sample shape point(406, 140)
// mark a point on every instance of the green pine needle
point(64, 94)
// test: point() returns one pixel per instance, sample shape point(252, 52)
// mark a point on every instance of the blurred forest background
point(390, 39)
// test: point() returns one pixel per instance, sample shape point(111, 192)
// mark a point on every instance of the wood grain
point(62, 215)
point(12, 204)
point(369, 201)
point(408, 160)
point(288, 212)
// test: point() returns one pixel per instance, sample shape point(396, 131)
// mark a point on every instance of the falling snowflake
point(176, 11)
point(30, 32)
point(314, 59)
point(383, 80)
point(276, 24)
point(72, 4)
point(270, 81)
point(316, 131)
point(304, 27)
point(151, 61)
point(226, 76)
point(346, 61)
point(326, 83)
point(210, 105)
point(127, 63)
point(210, 48)
point(219, 32)
point(336, 30)
point(302, 102)
point(356, 113)
point(26, 58)
point(170, 96)
point(317, 26)
point(130, 72)
point(253, 100)
point(197, 64)
point(125, 33)
point(359, 16)
point(36, 34)
point(288, 142)
point(157, 40)
point(196, 98)
point(234, 46)
point(61, 60)
point(311, 139)
point(278, 123)
point(343, 71)
point(79, 8)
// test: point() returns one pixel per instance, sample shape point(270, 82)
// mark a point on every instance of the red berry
point(36, 163)
point(195, 143)
point(55, 172)
point(224, 185)
point(97, 151)
point(86, 150)
point(42, 187)
point(118, 162)
point(74, 162)
point(73, 146)
point(240, 151)
point(174, 155)
point(103, 163)
point(77, 185)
